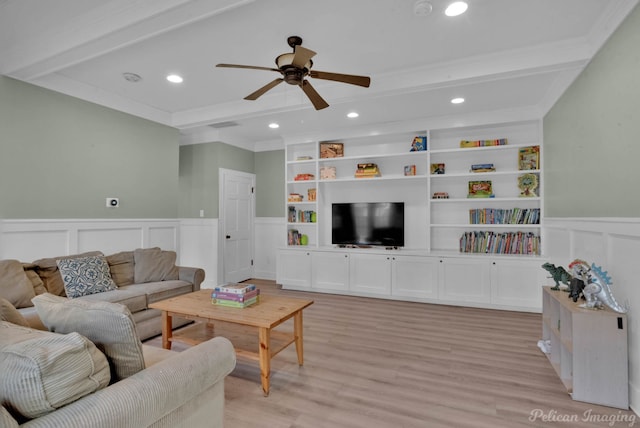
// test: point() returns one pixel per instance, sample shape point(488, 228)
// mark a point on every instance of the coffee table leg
point(166, 330)
point(297, 333)
point(265, 358)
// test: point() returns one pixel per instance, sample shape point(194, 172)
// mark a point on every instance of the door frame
point(222, 172)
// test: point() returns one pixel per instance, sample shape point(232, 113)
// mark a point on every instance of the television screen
point(368, 223)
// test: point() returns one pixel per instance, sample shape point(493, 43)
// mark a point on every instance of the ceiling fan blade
point(252, 67)
point(318, 102)
point(254, 96)
point(344, 78)
point(302, 56)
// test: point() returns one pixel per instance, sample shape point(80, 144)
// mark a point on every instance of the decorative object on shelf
point(437, 168)
point(304, 177)
point(367, 170)
point(480, 189)
point(597, 290)
point(529, 158)
point(419, 143)
point(409, 170)
point(482, 167)
point(440, 195)
point(328, 173)
point(490, 242)
point(303, 158)
point(311, 194)
point(294, 197)
point(331, 150)
point(528, 183)
point(558, 274)
point(483, 143)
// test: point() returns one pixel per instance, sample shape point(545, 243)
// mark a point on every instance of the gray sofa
point(143, 276)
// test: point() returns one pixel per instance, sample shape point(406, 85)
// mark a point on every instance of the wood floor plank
point(372, 363)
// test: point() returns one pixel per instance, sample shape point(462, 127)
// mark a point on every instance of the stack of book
point(366, 170)
point(236, 295)
point(482, 167)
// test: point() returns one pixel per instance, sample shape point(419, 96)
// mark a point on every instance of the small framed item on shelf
point(311, 194)
point(409, 170)
point(528, 183)
point(331, 150)
point(440, 195)
point(328, 173)
point(437, 168)
point(419, 143)
point(480, 189)
point(529, 158)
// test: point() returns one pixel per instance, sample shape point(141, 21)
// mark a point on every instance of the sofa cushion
point(36, 281)
point(132, 297)
point(108, 325)
point(85, 275)
point(162, 290)
point(42, 371)
point(10, 314)
point(14, 284)
point(48, 271)
point(154, 264)
point(121, 266)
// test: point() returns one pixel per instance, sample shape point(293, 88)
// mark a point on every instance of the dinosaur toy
point(559, 275)
point(597, 291)
point(576, 285)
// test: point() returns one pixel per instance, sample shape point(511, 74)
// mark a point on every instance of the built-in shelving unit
point(587, 348)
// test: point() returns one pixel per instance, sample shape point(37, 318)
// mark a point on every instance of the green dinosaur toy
point(559, 275)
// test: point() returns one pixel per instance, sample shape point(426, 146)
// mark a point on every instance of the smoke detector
point(422, 8)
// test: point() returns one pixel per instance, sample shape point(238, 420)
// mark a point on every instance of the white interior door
point(237, 215)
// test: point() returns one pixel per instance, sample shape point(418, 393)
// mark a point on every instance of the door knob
point(228, 237)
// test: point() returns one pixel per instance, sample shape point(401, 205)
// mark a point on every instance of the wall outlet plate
point(113, 202)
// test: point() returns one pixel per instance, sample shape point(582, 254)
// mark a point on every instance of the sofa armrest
point(192, 275)
point(151, 394)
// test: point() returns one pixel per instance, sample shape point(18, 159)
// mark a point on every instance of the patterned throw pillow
point(85, 275)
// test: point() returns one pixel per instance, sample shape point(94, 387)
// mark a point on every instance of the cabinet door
point(414, 276)
point(370, 274)
point(329, 271)
point(465, 280)
point(517, 283)
point(294, 269)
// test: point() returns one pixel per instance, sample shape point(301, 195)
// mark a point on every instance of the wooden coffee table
point(270, 312)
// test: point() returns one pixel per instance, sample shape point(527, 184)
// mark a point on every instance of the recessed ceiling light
point(352, 115)
point(456, 8)
point(274, 125)
point(457, 101)
point(174, 78)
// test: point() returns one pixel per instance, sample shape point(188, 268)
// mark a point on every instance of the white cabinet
point(465, 280)
point(516, 283)
point(588, 349)
point(294, 268)
point(370, 274)
point(414, 277)
point(329, 271)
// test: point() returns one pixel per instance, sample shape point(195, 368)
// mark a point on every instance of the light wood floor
point(372, 363)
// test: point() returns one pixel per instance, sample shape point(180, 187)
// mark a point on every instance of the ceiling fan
point(294, 67)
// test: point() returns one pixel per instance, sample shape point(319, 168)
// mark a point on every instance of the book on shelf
point(437, 168)
point(328, 173)
point(419, 143)
point(294, 197)
point(490, 242)
point(480, 189)
point(235, 288)
point(409, 170)
point(483, 143)
point(294, 237)
point(529, 158)
point(504, 216)
point(482, 167)
point(364, 170)
point(304, 177)
point(303, 158)
point(440, 195)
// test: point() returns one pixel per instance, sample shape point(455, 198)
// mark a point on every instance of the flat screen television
point(368, 223)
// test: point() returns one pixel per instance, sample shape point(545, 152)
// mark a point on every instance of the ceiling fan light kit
point(294, 68)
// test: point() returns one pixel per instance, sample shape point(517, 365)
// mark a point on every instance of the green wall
point(592, 134)
point(60, 157)
point(270, 194)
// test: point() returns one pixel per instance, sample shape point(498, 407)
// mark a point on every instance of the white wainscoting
point(270, 234)
point(614, 244)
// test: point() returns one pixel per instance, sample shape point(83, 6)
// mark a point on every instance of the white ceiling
point(510, 60)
